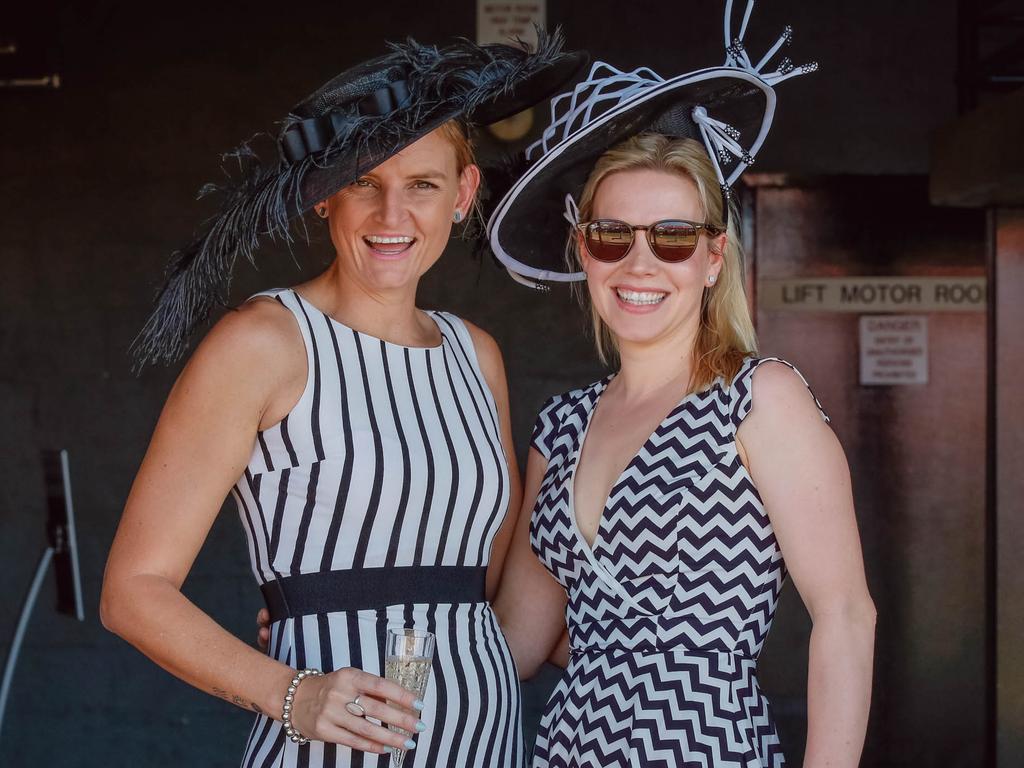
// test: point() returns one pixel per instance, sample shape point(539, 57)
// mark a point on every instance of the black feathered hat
point(348, 126)
point(729, 108)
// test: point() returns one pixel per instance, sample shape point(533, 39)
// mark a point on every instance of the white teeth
point(636, 297)
point(388, 240)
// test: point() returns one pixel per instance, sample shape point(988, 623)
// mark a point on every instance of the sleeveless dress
point(669, 608)
point(390, 465)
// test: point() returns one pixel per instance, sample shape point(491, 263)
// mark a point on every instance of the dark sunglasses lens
point(674, 240)
point(608, 240)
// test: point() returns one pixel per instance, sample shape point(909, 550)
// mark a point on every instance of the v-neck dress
point(669, 607)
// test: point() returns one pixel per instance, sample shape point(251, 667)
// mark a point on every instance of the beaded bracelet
point(286, 715)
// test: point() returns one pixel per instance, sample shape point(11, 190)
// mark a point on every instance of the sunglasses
point(671, 240)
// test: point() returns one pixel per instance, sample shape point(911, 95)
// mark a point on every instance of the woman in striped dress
point(367, 444)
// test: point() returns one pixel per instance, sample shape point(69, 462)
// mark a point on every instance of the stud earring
point(711, 279)
point(457, 216)
point(321, 211)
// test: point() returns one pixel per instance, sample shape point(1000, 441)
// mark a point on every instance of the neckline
point(602, 386)
point(303, 300)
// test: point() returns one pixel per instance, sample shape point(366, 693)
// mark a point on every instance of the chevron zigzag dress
point(669, 608)
point(373, 504)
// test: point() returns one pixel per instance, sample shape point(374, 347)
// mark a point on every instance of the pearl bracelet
point(286, 715)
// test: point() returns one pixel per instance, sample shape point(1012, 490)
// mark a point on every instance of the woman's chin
point(391, 273)
point(635, 323)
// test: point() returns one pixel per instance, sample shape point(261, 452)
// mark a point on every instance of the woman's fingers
point(390, 715)
point(381, 688)
point(335, 734)
point(263, 631)
point(379, 734)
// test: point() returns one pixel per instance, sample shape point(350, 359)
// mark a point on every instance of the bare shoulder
point(254, 352)
point(256, 333)
point(783, 413)
point(487, 351)
point(780, 393)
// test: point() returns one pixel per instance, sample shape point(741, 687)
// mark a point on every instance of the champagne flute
point(407, 658)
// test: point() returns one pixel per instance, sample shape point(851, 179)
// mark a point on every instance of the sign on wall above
point(504, 22)
point(873, 294)
point(500, 22)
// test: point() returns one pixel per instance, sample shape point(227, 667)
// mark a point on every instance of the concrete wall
point(96, 188)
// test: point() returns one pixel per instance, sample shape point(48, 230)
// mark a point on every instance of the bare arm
point(530, 604)
point(802, 476)
point(201, 445)
point(493, 368)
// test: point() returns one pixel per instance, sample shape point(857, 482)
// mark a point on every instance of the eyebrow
point(427, 175)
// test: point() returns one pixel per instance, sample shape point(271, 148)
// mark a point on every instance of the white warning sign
point(893, 349)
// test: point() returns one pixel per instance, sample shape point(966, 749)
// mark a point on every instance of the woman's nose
point(393, 208)
point(640, 259)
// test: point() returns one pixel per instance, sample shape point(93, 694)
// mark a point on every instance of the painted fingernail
point(421, 726)
point(410, 744)
point(418, 705)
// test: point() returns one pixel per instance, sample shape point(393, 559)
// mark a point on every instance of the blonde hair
point(457, 134)
point(726, 335)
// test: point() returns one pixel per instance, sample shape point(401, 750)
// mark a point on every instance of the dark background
point(97, 185)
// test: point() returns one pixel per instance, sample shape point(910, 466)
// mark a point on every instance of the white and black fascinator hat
point(345, 128)
point(729, 108)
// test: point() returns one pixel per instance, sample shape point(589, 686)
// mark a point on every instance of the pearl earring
point(711, 279)
point(457, 217)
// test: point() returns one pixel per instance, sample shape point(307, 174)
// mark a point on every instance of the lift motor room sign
point(874, 294)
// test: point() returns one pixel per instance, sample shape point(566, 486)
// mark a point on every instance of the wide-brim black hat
point(348, 126)
point(729, 108)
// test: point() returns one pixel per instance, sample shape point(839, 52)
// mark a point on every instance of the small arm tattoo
point(237, 700)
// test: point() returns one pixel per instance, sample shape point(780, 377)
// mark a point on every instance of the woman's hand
point(318, 709)
point(319, 712)
point(263, 629)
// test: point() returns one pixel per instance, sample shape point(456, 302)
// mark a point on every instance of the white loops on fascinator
point(605, 86)
point(572, 211)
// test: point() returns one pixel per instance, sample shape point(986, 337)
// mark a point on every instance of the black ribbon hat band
point(315, 134)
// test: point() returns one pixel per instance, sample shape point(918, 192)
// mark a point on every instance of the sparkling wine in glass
point(407, 658)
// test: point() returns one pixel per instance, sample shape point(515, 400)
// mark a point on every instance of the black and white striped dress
point(374, 504)
point(669, 607)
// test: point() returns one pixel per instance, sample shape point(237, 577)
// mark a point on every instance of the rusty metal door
point(917, 454)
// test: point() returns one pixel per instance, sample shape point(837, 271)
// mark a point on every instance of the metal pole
point(19, 633)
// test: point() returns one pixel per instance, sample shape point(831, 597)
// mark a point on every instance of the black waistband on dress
point(360, 589)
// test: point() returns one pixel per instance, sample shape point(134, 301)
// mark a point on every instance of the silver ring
point(355, 708)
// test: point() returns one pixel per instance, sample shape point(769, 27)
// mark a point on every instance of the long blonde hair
point(726, 335)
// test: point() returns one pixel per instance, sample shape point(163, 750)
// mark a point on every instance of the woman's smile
point(639, 300)
point(388, 246)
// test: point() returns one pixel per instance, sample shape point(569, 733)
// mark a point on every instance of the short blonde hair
point(726, 334)
point(457, 134)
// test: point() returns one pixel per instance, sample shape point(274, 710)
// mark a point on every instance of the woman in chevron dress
point(661, 500)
